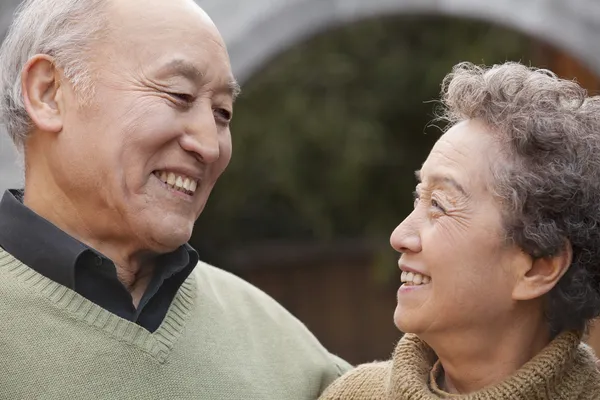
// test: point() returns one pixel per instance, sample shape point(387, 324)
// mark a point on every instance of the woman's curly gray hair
point(549, 185)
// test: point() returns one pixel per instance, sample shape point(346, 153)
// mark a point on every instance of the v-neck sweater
point(221, 338)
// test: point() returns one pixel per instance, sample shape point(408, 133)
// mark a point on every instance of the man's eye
point(223, 115)
point(183, 97)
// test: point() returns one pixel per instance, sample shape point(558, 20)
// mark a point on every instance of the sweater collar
point(435, 377)
point(553, 373)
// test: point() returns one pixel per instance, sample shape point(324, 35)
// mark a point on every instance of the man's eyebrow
point(182, 67)
point(437, 179)
point(232, 88)
point(193, 73)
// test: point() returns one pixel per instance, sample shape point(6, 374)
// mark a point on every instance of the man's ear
point(40, 81)
point(543, 275)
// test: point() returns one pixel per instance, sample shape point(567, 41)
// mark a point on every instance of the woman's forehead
point(461, 157)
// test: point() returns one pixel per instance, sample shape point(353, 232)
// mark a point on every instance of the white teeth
point(413, 278)
point(178, 182)
point(171, 179)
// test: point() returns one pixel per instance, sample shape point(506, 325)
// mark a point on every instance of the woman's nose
point(406, 238)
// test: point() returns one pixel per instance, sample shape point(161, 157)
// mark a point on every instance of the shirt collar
point(38, 243)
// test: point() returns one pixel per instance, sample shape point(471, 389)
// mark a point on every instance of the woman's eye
point(436, 204)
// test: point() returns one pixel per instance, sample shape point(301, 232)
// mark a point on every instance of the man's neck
point(477, 359)
point(134, 267)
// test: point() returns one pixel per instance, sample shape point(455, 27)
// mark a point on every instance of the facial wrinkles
point(129, 123)
point(483, 260)
point(136, 80)
point(138, 73)
point(464, 217)
point(454, 229)
point(208, 52)
point(133, 80)
point(455, 217)
point(173, 68)
point(202, 90)
point(449, 155)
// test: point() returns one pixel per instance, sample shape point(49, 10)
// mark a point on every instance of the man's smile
point(181, 183)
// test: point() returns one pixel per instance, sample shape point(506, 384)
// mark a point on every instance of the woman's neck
point(477, 359)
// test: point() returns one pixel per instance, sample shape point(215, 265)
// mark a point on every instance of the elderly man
point(122, 111)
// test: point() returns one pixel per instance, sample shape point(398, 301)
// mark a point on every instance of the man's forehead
point(159, 14)
point(173, 38)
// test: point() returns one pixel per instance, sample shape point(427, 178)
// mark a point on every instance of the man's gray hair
point(549, 179)
point(63, 29)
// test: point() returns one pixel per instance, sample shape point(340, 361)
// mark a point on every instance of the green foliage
point(327, 136)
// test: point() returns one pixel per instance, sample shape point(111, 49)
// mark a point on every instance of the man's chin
point(167, 240)
point(164, 230)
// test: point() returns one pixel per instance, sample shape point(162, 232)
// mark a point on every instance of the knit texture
point(221, 339)
point(564, 370)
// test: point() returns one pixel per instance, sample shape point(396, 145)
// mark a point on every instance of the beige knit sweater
point(565, 369)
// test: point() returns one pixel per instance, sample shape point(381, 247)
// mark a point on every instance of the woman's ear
point(40, 81)
point(543, 274)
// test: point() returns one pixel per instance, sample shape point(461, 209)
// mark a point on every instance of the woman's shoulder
point(587, 370)
point(365, 382)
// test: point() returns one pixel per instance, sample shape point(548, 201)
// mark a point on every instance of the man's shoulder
point(231, 293)
point(220, 282)
point(365, 382)
point(219, 275)
point(257, 311)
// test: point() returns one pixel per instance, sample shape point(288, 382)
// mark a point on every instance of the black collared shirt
point(53, 253)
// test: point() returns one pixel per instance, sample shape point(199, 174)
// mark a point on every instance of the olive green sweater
point(221, 339)
point(564, 370)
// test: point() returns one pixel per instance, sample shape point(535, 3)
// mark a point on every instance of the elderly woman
point(500, 257)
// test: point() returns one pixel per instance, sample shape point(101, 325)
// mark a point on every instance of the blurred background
point(335, 115)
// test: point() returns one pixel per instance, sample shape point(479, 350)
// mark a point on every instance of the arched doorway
point(259, 30)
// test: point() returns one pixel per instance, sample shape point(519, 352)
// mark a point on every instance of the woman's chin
point(407, 321)
point(402, 321)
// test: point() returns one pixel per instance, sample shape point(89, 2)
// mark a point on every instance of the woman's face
point(454, 239)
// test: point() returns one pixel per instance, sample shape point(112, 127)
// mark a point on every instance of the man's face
point(143, 157)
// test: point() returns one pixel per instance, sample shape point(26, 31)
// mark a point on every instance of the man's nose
point(202, 136)
point(406, 237)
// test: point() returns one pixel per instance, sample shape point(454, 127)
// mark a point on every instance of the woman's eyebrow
point(444, 180)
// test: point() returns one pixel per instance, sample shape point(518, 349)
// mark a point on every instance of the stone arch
point(259, 30)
